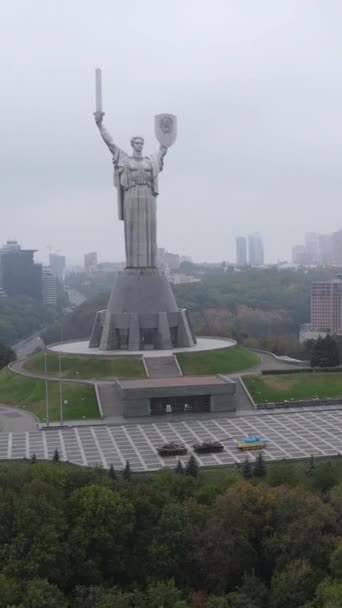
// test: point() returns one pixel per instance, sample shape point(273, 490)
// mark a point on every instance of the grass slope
point(105, 368)
point(284, 387)
point(30, 393)
point(225, 361)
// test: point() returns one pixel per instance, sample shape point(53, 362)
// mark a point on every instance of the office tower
point(299, 255)
point(57, 264)
point(312, 247)
point(326, 301)
point(337, 247)
point(90, 261)
point(325, 249)
point(255, 250)
point(49, 287)
point(19, 274)
point(241, 251)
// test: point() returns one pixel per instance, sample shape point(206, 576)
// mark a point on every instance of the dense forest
point(21, 316)
point(75, 538)
point(261, 307)
point(258, 302)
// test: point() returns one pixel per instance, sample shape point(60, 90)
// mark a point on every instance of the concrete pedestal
point(142, 313)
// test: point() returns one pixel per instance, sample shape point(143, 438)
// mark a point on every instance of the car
point(206, 447)
point(172, 449)
point(251, 442)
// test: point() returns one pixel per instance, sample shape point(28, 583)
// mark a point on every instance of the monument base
point(142, 314)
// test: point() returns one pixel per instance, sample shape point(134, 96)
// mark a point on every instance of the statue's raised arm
point(106, 136)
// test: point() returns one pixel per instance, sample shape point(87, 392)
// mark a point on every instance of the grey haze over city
point(256, 87)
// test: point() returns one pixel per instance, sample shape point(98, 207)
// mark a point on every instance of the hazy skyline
point(257, 90)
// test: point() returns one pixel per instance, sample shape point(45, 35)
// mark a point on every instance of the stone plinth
point(142, 313)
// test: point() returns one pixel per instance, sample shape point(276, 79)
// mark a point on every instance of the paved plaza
point(82, 348)
point(289, 435)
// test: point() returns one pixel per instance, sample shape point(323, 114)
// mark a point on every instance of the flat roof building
point(49, 287)
point(326, 310)
point(241, 251)
point(19, 274)
point(255, 249)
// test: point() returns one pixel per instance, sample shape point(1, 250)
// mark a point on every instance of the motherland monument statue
point(142, 312)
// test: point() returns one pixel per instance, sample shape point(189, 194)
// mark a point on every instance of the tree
point(55, 457)
point(103, 597)
point(33, 459)
point(304, 528)
point(10, 591)
point(7, 355)
point(247, 472)
point(325, 353)
point(126, 473)
point(329, 594)
point(336, 563)
point(179, 468)
point(311, 466)
point(259, 469)
point(101, 523)
point(112, 473)
point(42, 594)
point(163, 594)
point(171, 542)
point(192, 466)
point(293, 585)
point(325, 476)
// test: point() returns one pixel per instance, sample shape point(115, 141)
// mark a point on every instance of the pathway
point(15, 419)
point(109, 398)
point(162, 367)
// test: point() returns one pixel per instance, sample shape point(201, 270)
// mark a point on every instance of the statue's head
point(137, 143)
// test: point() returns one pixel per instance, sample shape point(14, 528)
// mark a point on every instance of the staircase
point(161, 367)
point(110, 402)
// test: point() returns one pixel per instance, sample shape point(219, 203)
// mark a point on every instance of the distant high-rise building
point(19, 273)
point(255, 250)
point(241, 250)
point(312, 247)
point(325, 249)
point(90, 261)
point(57, 264)
point(167, 261)
point(326, 310)
point(336, 238)
point(326, 306)
point(49, 287)
point(299, 255)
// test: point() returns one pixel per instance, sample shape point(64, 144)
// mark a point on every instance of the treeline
point(21, 317)
point(77, 324)
point(257, 302)
point(73, 538)
point(259, 307)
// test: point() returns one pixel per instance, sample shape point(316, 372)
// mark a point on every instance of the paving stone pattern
point(290, 435)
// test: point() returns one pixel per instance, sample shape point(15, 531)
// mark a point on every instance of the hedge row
point(305, 370)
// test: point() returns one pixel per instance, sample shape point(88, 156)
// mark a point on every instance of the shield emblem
point(166, 129)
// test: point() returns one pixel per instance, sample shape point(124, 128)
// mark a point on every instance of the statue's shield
point(166, 129)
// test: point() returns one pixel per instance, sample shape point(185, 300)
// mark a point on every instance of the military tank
point(172, 449)
point(205, 447)
point(251, 442)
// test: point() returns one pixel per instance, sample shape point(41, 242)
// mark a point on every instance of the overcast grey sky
point(256, 86)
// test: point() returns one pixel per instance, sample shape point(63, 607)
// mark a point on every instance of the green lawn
point(225, 361)
point(105, 368)
point(284, 387)
point(29, 393)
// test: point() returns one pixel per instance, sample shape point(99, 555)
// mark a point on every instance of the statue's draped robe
point(137, 182)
